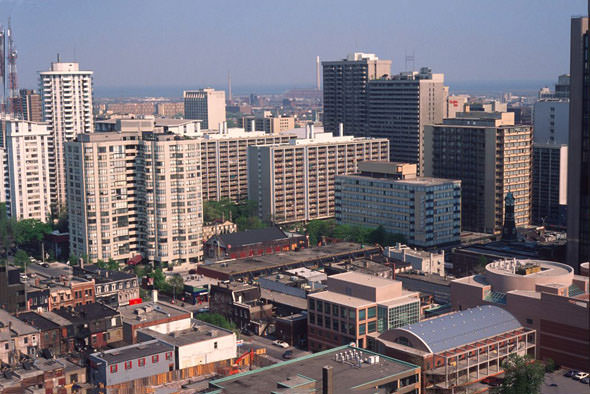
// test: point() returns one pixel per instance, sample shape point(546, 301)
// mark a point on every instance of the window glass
point(371, 312)
point(372, 326)
point(362, 313)
point(362, 329)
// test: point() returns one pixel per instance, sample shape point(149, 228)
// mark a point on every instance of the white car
point(280, 343)
point(581, 375)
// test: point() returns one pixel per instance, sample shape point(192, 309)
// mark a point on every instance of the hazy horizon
point(264, 43)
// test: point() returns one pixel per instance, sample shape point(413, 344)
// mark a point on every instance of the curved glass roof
point(457, 329)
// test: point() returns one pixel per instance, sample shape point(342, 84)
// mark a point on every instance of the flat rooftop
point(17, 326)
point(132, 352)
point(150, 311)
point(342, 299)
point(199, 331)
point(364, 279)
point(274, 261)
point(287, 376)
point(421, 180)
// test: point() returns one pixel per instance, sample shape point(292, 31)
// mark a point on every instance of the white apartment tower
point(66, 94)
point(207, 105)
point(135, 193)
point(25, 169)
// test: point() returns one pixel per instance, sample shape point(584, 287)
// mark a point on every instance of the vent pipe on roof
point(253, 125)
point(327, 380)
point(340, 129)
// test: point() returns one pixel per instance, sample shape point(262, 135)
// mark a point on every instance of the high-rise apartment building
point(135, 193)
point(66, 96)
point(492, 157)
point(207, 105)
point(398, 108)
point(295, 181)
point(25, 170)
point(224, 162)
point(30, 104)
point(426, 211)
point(345, 90)
point(562, 87)
point(578, 194)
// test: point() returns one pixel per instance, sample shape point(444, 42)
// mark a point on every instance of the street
point(273, 351)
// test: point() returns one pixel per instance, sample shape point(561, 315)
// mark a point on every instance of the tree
point(217, 320)
point(29, 233)
point(113, 265)
point(159, 279)
point(521, 375)
point(176, 284)
point(21, 258)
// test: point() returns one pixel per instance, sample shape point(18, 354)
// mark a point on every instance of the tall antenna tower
point(229, 98)
point(14, 105)
point(2, 69)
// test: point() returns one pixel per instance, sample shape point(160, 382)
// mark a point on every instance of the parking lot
point(564, 385)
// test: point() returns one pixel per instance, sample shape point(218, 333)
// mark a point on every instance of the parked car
point(288, 354)
point(571, 373)
point(581, 375)
point(280, 343)
point(585, 380)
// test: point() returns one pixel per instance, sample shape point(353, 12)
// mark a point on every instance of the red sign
point(135, 301)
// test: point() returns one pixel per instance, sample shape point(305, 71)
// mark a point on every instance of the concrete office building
point(294, 181)
point(134, 193)
point(458, 350)
point(562, 87)
point(399, 107)
point(345, 90)
point(207, 105)
point(26, 173)
point(268, 124)
point(66, 94)
point(544, 296)
point(551, 121)
point(578, 194)
point(334, 371)
point(455, 104)
point(224, 161)
point(356, 305)
point(492, 157)
point(426, 211)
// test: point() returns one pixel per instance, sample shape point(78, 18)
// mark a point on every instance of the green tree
point(113, 265)
point(101, 264)
point(549, 365)
point(73, 260)
point(521, 375)
point(217, 320)
point(159, 279)
point(29, 233)
point(21, 258)
point(176, 284)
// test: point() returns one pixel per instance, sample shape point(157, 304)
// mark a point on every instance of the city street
point(272, 350)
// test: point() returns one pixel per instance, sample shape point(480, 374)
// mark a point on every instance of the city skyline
point(128, 45)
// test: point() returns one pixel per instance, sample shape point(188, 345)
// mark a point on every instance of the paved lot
point(274, 351)
point(564, 385)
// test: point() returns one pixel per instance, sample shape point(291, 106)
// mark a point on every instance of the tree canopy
point(244, 214)
point(316, 229)
point(521, 375)
point(217, 320)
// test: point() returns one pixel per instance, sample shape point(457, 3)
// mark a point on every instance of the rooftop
point(86, 312)
point(17, 326)
point(456, 329)
point(150, 311)
point(255, 264)
point(341, 299)
point(38, 321)
point(363, 279)
point(287, 376)
point(250, 237)
point(132, 352)
point(101, 275)
point(199, 331)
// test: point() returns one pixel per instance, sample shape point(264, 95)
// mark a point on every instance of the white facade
point(66, 94)
point(25, 164)
point(207, 105)
point(551, 121)
point(427, 262)
point(207, 351)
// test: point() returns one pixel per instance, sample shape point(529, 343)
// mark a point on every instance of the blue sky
point(195, 43)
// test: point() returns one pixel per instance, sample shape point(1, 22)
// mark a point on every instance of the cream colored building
point(492, 157)
point(295, 181)
point(135, 193)
point(207, 105)
point(66, 94)
point(268, 124)
point(25, 167)
point(224, 161)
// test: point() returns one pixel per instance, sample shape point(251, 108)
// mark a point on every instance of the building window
point(328, 322)
point(113, 368)
point(141, 362)
point(371, 312)
point(311, 304)
point(362, 329)
point(311, 318)
point(320, 321)
point(372, 326)
point(155, 359)
point(320, 306)
point(529, 321)
point(327, 311)
point(362, 314)
point(335, 310)
point(169, 354)
point(128, 364)
point(214, 345)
